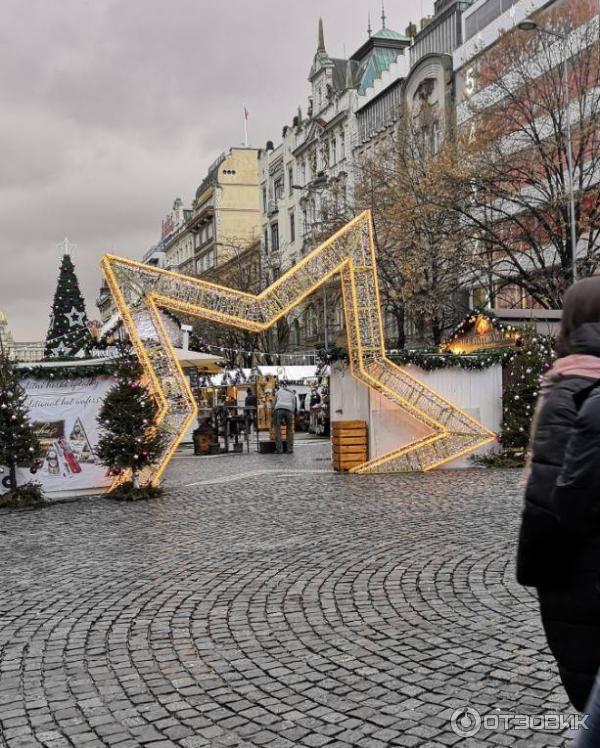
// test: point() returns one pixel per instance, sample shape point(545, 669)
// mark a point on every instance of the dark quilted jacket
point(559, 541)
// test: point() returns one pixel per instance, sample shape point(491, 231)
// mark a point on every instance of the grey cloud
point(112, 108)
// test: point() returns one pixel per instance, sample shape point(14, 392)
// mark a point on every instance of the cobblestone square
point(266, 601)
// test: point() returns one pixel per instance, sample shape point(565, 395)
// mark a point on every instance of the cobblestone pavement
point(290, 608)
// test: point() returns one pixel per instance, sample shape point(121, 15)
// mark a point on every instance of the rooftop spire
point(369, 29)
point(383, 13)
point(321, 47)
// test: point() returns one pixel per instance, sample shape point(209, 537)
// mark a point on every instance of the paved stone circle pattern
point(295, 608)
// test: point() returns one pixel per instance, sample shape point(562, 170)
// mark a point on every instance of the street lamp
point(530, 25)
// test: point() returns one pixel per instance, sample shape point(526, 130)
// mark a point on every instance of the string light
point(349, 253)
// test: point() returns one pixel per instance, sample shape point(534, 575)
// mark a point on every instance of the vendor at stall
point(284, 409)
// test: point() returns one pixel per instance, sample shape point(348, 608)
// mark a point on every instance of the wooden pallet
point(350, 446)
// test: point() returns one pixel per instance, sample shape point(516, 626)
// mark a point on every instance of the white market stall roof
point(110, 324)
point(292, 374)
point(197, 360)
point(192, 359)
point(54, 364)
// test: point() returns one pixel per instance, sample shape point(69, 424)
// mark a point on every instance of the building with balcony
point(306, 180)
point(226, 211)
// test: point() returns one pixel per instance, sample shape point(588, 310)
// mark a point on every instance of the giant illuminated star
point(143, 290)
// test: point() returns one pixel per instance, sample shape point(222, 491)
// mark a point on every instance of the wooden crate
point(350, 444)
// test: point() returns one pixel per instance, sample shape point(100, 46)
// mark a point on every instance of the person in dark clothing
point(250, 407)
point(559, 540)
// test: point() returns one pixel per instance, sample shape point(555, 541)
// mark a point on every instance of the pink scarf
point(575, 365)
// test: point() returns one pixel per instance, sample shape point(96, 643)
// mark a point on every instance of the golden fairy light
point(350, 252)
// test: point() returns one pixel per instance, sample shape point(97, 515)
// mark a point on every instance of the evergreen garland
point(66, 372)
point(429, 359)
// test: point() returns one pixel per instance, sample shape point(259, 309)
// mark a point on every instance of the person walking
point(250, 404)
point(559, 539)
point(283, 412)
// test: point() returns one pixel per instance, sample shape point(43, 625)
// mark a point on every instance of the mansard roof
point(376, 55)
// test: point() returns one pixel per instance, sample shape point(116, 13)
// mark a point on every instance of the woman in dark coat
point(559, 542)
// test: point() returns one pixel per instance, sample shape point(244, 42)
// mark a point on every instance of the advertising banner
point(64, 414)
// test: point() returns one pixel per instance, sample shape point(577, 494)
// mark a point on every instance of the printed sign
point(64, 414)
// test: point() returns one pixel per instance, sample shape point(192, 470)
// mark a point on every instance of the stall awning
point(204, 362)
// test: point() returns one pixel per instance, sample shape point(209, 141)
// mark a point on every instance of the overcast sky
point(112, 108)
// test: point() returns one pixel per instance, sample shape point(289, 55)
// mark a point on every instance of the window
point(480, 298)
point(266, 241)
point(486, 14)
point(333, 151)
point(278, 188)
point(275, 236)
point(342, 145)
point(303, 172)
point(264, 198)
point(290, 180)
point(292, 227)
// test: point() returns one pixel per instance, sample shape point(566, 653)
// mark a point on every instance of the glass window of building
point(278, 188)
point(292, 227)
point(275, 236)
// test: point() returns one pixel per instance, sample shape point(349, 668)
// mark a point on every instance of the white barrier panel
point(64, 414)
point(478, 393)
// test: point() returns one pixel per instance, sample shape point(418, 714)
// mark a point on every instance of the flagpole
point(245, 127)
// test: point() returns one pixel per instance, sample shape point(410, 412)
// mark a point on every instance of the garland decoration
point(106, 368)
point(429, 359)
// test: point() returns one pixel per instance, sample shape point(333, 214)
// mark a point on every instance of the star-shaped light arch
point(142, 289)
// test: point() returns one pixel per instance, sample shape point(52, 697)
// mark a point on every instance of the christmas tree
point(19, 446)
point(129, 440)
point(523, 373)
point(68, 334)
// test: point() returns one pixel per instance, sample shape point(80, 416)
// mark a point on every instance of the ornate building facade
point(308, 176)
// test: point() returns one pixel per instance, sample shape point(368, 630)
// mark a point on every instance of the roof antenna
point(383, 13)
point(369, 29)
